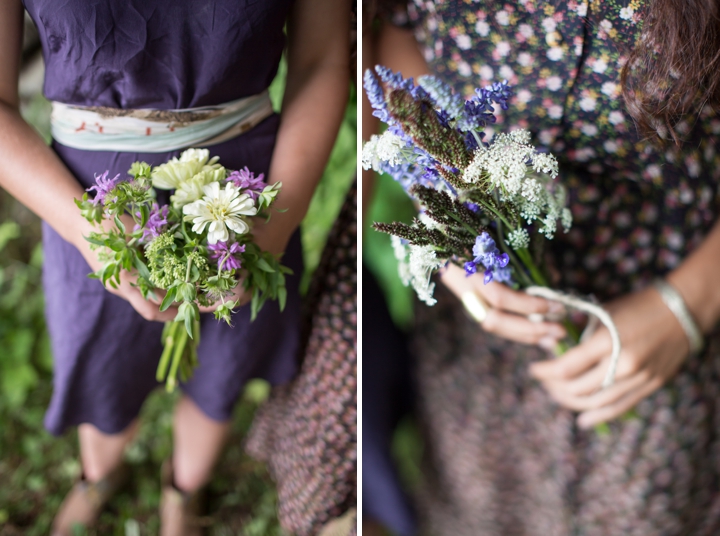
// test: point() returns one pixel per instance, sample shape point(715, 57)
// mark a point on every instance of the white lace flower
point(523, 179)
point(518, 239)
point(172, 174)
point(370, 158)
point(423, 262)
point(401, 255)
point(223, 210)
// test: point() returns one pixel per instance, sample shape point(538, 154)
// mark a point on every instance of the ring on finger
point(475, 305)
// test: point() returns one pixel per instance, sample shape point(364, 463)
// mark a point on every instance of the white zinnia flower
point(192, 189)
point(222, 210)
point(172, 174)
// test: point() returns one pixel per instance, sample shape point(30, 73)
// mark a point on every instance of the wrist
point(272, 238)
point(701, 299)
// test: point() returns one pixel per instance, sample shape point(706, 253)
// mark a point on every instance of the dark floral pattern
point(307, 431)
point(503, 459)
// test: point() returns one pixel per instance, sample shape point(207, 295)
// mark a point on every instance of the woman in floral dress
point(513, 444)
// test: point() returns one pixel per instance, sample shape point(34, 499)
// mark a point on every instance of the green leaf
point(189, 319)
point(254, 305)
point(263, 265)
point(169, 299)
point(141, 267)
point(282, 297)
point(144, 215)
point(120, 225)
point(93, 239)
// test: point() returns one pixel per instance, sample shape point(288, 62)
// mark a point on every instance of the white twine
point(596, 312)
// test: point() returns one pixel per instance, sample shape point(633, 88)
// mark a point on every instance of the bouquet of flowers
point(192, 250)
point(484, 205)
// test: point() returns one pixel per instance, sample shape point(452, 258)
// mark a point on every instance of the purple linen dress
point(163, 55)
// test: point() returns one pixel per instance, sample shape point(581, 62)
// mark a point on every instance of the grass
point(36, 469)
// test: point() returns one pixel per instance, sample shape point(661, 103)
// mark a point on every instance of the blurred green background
point(36, 469)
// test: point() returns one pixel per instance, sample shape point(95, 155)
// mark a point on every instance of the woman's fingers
point(575, 361)
point(606, 413)
point(602, 398)
point(587, 383)
point(501, 297)
point(520, 329)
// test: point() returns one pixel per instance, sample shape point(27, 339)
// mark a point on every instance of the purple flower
point(103, 186)
point(225, 256)
point(470, 268)
point(246, 179)
point(502, 274)
point(376, 96)
point(472, 206)
point(156, 223)
point(487, 254)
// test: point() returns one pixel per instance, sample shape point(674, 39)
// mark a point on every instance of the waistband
point(95, 128)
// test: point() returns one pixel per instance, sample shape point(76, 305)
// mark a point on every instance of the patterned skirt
point(503, 459)
point(307, 431)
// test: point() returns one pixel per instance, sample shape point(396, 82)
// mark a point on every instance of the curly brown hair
point(674, 69)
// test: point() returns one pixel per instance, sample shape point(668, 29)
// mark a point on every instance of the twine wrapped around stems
point(595, 311)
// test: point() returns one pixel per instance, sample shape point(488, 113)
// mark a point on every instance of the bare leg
point(199, 441)
point(100, 453)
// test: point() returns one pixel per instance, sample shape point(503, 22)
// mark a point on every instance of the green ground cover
point(36, 470)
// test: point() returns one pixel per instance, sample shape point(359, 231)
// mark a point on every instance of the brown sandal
point(180, 511)
point(85, 501)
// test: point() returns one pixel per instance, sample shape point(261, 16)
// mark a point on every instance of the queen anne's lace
point(423, 262)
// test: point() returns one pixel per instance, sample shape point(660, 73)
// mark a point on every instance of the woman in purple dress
point(153, 55)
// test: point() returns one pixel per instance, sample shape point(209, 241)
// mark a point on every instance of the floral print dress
point(502, 458)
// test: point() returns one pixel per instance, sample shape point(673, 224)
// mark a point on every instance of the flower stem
point(537, 276)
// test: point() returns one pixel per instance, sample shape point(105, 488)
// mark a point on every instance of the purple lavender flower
point(246, 179)
point(156, 223)
point(472, 206)
point(502, 274)
point(500, 92)
point(470, 268)
point(486, 253)
point(225, 256)
point(443, 95)
point(376, 96)
point(103, 186)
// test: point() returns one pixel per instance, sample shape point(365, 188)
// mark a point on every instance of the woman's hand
point(654, 347)
point(148, 309)
point(508, 309)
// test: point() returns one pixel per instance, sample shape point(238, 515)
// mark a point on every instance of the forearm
point(312, 110)
point(697, 279)
point(35, 176)
point(398, 50)
point(309, 126)
point(30, 171)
